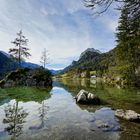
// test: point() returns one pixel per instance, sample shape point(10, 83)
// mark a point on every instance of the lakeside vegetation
point(122, 64)
point(24, 94)
point(117, 97)
point(14, 74)
point(79, 102)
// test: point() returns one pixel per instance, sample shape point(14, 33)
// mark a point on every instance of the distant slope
point(92, 59)
point(29, 65)
point(85, 61)
point(91, 51)
point(23, 63)
point(6, 64)
point(55, 72)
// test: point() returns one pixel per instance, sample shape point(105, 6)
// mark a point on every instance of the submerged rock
point(87, 98)
point(129, 115)
point(107, 126)
point(101, 124)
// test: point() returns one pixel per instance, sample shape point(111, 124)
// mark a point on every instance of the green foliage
point(20, 51)
point(98, 63)
point(25, 93)
point(2, 82)
point(122, 61)
point(118, 97)
point(17, 74)
point(28, 77)
point(86, 74)
point(128, 39)
point(42, 74)
point(127, 71)
point(66, 75)
point(92, 73)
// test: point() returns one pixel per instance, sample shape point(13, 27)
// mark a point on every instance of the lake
point(52, 114)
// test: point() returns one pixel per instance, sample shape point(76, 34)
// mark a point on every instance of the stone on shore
point(129, 115)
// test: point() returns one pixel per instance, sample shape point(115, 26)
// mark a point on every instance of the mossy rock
point(17, 74)
point(2, 82)
point(28, 77)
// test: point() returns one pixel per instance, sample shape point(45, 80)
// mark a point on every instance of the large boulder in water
point(85, 97)
point(129, 115)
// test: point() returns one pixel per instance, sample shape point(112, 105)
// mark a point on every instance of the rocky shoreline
point(85, 97)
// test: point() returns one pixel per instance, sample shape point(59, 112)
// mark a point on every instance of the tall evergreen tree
point(128, 35)
point(20, 51)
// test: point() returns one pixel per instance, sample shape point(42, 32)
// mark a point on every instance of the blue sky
point(64, 27)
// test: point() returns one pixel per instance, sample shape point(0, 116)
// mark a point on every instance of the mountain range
point(92, 59)
point(7, 64)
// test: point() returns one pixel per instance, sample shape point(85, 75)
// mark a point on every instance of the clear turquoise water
point(31, 113)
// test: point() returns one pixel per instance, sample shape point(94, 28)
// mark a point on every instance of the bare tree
point(101, 6)
point(20, 51)
point(44, 58)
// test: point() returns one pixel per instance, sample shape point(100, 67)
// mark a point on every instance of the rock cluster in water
point(27, 77)
point(129, 115)
point(107, 126)
point(86, 97)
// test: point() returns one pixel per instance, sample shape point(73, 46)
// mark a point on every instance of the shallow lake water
point(52, 114)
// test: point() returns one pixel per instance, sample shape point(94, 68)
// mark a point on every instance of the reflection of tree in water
point(14, 117)
point(42, 112)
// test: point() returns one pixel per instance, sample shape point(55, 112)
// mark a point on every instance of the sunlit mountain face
point(64, 28)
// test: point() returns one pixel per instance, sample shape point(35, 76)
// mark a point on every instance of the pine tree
point(128, 35)
point(123, 36)
point(20, 51)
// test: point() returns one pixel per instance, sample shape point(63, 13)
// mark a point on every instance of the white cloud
point(44, 11)
point(111, 23)
point(65, 28)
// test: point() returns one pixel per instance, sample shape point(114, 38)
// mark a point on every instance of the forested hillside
point(123, 62)
point(6, 64)
point(93, 61)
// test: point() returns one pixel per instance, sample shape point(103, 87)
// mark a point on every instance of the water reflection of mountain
point(70, 85)
point(116, 98)
point(85, 83)
point(126, 98)
point(43, 114)
point(78, 84)
point(73, 86)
